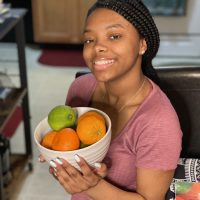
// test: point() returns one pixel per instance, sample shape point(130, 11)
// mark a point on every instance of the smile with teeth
point(103, 62)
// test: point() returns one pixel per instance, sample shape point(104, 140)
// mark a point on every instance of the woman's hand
point(73, 180)
point(41, 158)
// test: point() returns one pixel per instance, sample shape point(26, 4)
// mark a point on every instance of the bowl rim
point(108, 120)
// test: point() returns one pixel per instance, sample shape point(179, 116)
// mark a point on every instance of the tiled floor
point(47, 87)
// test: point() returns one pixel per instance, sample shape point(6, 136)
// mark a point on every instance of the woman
point(120, 41)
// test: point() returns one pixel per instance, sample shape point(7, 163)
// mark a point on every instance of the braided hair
point(139, 16)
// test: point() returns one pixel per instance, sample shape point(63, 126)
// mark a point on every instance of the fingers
point(64, 167)
point(53, 171)
point(88, 173)
point(74, 180)
point(85, 168)
point(100, 169)
point(41, 158)
point(69, 172)
point(69, 177)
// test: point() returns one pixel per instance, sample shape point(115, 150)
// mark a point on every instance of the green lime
point(183, 187)
point(83, 145)
point(62, 116)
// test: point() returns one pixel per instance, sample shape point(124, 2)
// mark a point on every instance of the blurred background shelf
point(17, 96)
point(9, 105)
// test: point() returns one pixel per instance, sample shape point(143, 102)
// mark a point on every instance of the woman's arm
point(151, 184)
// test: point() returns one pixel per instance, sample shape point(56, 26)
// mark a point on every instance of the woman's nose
point(100, 48)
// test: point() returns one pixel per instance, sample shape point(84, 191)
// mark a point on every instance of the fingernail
point(59, 161)
point(39, 159)
point(97, 165)
point(76, 157)
point(55, 170)
point(55, 174)
point(53, 164)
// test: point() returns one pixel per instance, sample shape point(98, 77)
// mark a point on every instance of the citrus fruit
point(91, 113)
point(48, 138)
point(66, 140)
point(62, 116)
point(90, 129)
point(82, 145)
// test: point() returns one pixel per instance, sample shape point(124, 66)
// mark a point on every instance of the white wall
point(180, 36)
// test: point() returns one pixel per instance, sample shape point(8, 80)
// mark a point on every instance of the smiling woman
point(120, 41)
point(106, 41)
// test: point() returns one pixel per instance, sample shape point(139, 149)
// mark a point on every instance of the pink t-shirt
point(151, 139)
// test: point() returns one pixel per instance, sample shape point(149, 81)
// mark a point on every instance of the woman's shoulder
point(81, 90)
point(87, 78)
point(158, 110)
point(158, 101)
point(83, 82)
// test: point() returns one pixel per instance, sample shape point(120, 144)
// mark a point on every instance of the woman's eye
point(88, 41)
point(115, 37)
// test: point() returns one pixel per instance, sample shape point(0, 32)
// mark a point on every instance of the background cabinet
point(59, 21)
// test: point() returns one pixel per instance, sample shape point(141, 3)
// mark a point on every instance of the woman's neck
point(121, 90)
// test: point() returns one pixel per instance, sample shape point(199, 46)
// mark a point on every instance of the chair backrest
point(182, 86)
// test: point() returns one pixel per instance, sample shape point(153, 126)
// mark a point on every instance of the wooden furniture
point(18, 95)
point(59, 21)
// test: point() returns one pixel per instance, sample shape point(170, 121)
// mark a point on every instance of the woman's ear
point(143, 46)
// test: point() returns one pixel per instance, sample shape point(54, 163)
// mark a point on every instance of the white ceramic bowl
point(93, 153)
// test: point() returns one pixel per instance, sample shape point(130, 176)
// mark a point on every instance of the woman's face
point(112, 46)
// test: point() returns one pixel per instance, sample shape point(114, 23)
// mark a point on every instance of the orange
point(91, 113)
point(48, 138)
point(66, 140)
point(91, 128)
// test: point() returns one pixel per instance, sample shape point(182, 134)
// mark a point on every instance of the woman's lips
point(103, 64)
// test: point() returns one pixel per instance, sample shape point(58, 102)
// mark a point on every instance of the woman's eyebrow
point(86, 31)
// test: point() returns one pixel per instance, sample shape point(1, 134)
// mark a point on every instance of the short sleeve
point(81, 90)
point(159, 143)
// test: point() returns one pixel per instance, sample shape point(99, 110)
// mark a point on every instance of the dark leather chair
point(182, 86)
